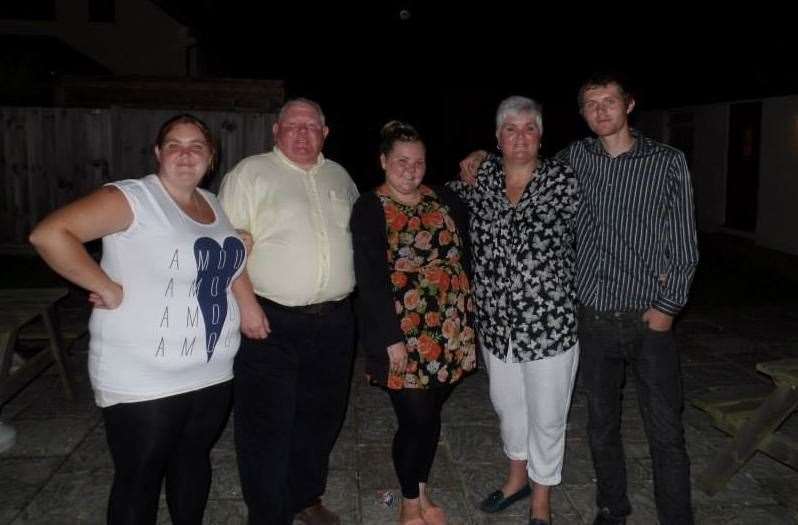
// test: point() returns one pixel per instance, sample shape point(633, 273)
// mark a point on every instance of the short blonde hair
point(516, 105)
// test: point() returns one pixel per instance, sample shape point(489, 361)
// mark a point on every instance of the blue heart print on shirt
point(216, 266)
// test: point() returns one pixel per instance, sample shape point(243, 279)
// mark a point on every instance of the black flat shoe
point(538, 521)
point(496, 502)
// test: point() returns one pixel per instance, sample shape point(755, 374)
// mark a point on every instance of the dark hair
point(603, 79)
point(186, 118)
point(397, 131)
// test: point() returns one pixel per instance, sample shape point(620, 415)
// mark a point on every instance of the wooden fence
point(50, 156)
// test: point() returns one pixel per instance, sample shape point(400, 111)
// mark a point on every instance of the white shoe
point(8, 436)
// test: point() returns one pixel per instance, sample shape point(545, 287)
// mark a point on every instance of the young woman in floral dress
point(415, 306)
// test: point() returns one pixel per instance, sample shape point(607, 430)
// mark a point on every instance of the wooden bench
point(752, 417)
point(23, 314)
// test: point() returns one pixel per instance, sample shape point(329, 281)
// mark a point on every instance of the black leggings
point(418, 412)
point(171, 437)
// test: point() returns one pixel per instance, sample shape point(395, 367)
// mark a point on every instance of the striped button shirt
point(636, 235)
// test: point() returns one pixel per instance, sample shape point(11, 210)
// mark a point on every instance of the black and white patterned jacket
point(523, 260)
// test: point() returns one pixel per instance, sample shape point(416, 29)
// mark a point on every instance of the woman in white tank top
point(165, 324)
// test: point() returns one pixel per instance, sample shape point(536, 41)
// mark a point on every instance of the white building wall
point(777, 220)
point(777, 207)
point(143, 40)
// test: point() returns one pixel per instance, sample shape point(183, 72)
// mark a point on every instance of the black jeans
point(170, 437)
point(609, 341)
point(418, 412)
point(290, 397)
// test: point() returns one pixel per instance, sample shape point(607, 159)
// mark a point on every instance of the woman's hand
point(60, 239)
point(470, 165)
point(397, 355)
point(247, 239)
point(108, 298)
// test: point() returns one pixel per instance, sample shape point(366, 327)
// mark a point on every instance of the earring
point(499, 147)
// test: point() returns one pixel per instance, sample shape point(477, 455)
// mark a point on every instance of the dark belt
point(324, 308)
point(636, 315)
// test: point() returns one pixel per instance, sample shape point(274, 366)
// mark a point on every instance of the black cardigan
point(378, 322)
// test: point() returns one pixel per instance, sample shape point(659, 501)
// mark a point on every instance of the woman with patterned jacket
point(522, 222)
point(415, 307)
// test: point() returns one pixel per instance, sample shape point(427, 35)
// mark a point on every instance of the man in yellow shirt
point(292, 371)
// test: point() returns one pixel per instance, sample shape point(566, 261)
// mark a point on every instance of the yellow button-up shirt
point(299, 221)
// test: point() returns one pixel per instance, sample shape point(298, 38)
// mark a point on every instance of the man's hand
point(658, 321)
point(254, 323)
point(469, 166)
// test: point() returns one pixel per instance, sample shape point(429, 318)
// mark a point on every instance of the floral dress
point(431, 292)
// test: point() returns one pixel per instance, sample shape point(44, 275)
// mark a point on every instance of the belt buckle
point(318, 308)
point(315, 309)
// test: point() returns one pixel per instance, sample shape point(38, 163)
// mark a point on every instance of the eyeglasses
point(296, 128)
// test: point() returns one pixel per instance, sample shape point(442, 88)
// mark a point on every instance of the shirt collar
point(291, 164)
point(494, 166)
point(641, 146)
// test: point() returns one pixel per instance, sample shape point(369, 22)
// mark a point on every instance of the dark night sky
point(447, 66)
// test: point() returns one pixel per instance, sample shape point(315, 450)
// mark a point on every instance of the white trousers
point(532, 400)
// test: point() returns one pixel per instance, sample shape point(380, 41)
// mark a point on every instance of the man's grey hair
point(516, 105)
point(301, 100)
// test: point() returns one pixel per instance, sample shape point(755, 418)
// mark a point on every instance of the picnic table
point(30, 313)
point(753, 419)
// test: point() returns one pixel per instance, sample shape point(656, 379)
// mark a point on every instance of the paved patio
point(59, 472)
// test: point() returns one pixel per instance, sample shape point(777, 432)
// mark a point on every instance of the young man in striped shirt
point(636, 255)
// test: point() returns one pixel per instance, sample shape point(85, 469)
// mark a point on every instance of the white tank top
point(177, 329)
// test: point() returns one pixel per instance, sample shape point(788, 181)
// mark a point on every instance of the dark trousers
point(169, 437)
point(609, 342)
point(291, 392)
point(418, 412)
